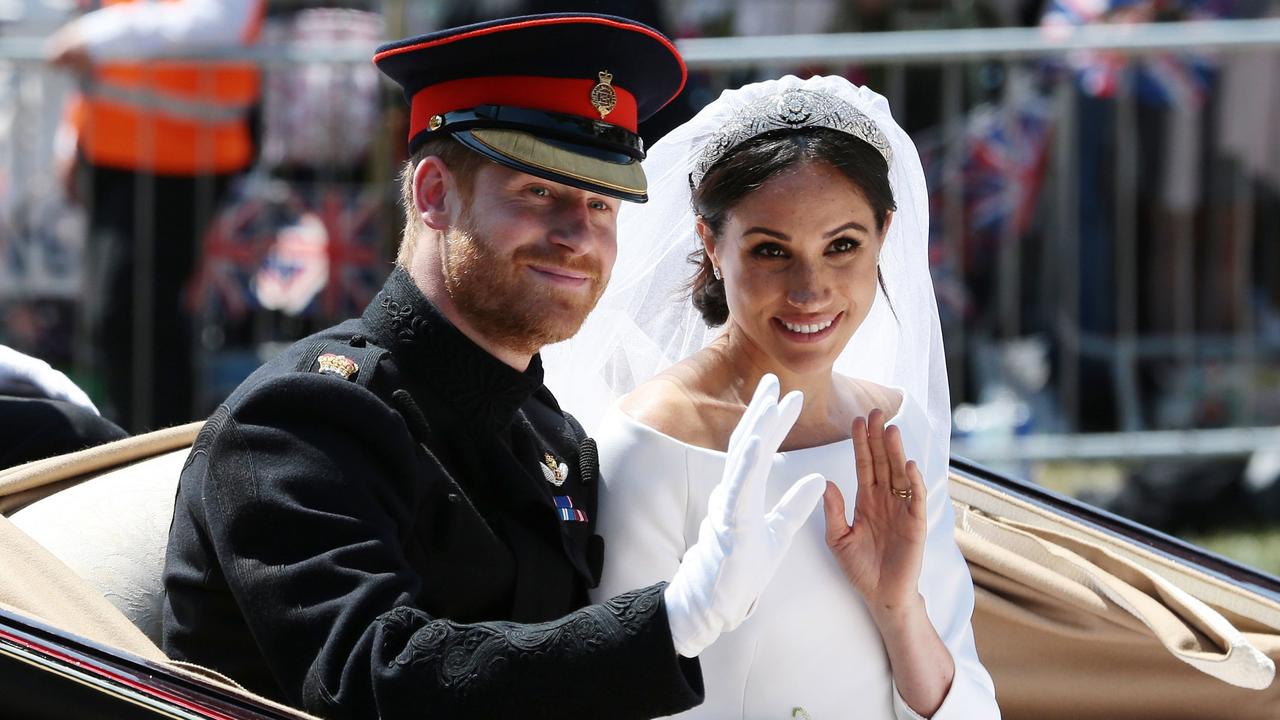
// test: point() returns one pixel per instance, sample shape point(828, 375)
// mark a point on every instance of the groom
point(394, 518)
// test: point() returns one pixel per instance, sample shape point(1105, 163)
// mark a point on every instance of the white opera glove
point(740, 543)
point(25, 375)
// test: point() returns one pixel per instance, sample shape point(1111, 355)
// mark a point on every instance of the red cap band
point(571, 96)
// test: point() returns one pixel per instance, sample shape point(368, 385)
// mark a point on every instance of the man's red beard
point(502, 299)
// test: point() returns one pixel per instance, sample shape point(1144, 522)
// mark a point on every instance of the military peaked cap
point(557, 96)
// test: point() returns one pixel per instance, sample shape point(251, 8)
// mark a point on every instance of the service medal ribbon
point(566, 510)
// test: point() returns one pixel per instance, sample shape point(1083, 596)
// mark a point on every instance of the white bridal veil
point(645, 321)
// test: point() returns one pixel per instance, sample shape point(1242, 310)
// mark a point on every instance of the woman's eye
point(769, 250)
point(844, 245)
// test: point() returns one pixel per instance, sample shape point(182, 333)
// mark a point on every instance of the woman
point(805, 208)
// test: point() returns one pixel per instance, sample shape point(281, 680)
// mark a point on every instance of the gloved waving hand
point(740, 542)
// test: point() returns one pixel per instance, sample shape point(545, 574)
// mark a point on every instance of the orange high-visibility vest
point(175, 118)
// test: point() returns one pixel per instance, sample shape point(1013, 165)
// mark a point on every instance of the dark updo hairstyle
point(747, 167)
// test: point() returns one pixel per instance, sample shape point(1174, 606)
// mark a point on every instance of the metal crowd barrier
point(1027, 300)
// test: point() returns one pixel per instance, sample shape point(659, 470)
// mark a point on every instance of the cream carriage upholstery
point(112, 532)
point(1071, 622)
point(104, 513)
point(82, 539)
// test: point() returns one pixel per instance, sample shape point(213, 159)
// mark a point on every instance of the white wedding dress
point(810, 649)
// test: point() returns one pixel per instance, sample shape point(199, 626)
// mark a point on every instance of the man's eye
point(540, 191)
point(844, 245)
point(599, 205)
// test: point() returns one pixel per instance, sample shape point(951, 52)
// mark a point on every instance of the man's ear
point(434, 193)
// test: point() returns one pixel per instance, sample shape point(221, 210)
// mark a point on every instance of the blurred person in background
point(149, 148)
point(1145, 143)
point(44, 413)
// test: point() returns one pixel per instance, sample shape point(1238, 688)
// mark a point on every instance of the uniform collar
point(436, 353)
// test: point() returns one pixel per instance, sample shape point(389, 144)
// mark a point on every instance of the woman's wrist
point(922, 666)
point(894, 618)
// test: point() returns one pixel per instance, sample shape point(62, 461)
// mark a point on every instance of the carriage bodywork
point(1080, 613)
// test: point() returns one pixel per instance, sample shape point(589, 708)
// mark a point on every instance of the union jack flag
point(1003, 152)
point(273, 239)
point(232, 249)
point(357, 264)
point(1163, 79)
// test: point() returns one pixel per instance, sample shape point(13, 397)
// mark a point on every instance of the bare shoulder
point(673, 404)
point(665, 403)
point(867, 396)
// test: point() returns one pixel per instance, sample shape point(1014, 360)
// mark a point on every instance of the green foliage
point(1256, 547)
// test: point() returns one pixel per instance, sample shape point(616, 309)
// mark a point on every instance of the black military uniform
point(387, 521)
point(341, 531)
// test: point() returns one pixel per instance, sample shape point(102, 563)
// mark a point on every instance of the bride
point(804, 208)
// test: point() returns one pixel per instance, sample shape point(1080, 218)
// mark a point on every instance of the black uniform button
point(357, 341)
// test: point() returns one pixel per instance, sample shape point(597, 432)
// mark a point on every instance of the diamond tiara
point(789, 110)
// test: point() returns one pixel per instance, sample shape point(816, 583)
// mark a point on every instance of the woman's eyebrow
point(761, 230)
point(766, 231)
point(847, 226)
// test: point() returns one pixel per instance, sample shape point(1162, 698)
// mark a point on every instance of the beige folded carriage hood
point(1075, 621)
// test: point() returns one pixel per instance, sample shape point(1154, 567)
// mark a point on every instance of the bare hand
point(66, 168)
point(66, 49)
point(882, 552)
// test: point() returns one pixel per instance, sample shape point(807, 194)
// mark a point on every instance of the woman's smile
point(807, 330)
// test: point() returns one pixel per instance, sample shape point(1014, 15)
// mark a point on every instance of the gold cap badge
point(435, 122)
point(340, 365)
point(603, 97)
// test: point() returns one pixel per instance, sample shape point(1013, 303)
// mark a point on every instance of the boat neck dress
point(810, 648)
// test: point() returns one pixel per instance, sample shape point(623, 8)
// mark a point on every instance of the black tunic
point(36, 428)
point(397, 543)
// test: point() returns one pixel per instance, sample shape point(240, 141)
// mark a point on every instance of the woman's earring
point(715, 272)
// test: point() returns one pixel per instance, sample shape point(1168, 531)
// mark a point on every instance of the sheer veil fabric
point(645, 321)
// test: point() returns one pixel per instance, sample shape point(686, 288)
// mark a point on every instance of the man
point(394, 518)
point(149, 146)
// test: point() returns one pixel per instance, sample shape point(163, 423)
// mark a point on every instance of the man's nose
point(571, 227)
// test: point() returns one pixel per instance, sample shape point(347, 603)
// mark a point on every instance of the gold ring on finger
point(904, 493)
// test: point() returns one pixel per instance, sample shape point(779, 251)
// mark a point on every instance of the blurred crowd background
point(1105, 229)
